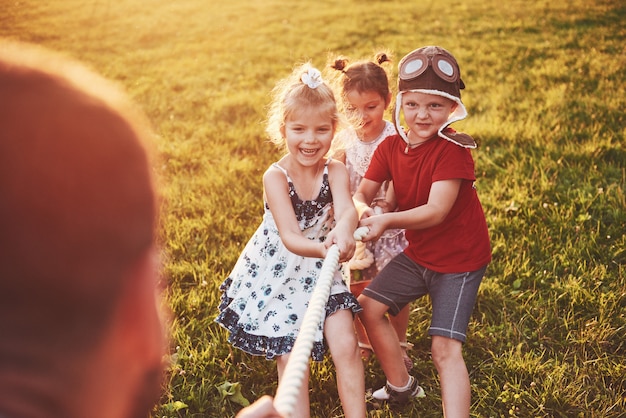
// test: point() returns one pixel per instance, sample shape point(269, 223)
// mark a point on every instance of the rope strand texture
point(289, 386)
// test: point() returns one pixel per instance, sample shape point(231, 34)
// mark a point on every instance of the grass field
point(546, 93)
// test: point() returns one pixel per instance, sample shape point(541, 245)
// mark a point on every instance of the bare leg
point(302, 407)
point(364, 341)
point(400, 324)
point(384, 340)
point(455, 385)
point(343, 344)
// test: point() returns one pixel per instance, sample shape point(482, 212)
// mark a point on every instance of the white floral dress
point(267, 293)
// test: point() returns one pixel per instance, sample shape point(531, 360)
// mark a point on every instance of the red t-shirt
point(461, 242)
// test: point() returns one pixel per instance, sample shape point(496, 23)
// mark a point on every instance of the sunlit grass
point(546, 93)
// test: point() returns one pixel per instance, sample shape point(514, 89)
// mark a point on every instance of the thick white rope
point(298, 363)
point(362, 259)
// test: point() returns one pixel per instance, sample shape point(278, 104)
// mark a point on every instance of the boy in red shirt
point(432, 171)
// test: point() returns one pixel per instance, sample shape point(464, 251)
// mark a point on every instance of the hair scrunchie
point(312, 78)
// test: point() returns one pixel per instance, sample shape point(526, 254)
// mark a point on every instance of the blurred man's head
point(79, 322)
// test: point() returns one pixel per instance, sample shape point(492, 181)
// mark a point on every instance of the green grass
point(546, 93)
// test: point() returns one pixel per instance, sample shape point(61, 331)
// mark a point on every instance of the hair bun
point(340, 64)
point(382, 57)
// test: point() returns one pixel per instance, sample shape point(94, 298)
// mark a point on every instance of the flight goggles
point(430, 68)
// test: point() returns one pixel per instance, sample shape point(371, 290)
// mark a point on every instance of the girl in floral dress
point(308, 208)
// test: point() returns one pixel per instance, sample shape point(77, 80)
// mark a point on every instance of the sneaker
point(387, 394)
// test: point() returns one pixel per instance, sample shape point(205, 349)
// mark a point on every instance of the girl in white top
point(364, 96)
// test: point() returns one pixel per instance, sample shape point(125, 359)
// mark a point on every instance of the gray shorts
point(452, 295)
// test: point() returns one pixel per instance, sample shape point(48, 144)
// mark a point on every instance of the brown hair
point(78, 203)
point(364, 76)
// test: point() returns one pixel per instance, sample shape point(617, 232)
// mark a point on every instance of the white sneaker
point(387, 394)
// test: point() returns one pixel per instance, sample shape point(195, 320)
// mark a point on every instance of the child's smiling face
point(366, 109)
point(309, 133)
point(425, 114)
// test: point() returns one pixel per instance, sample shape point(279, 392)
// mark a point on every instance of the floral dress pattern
point(265, 297)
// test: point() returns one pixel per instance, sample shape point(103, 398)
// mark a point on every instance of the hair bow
point(312, 78)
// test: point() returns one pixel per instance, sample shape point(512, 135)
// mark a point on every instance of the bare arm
point(364, 196)
point(442, 196)
point(386, 204)
point(346, 219)
point(276, 192)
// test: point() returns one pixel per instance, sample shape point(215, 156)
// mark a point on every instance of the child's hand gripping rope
point(289, 385)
